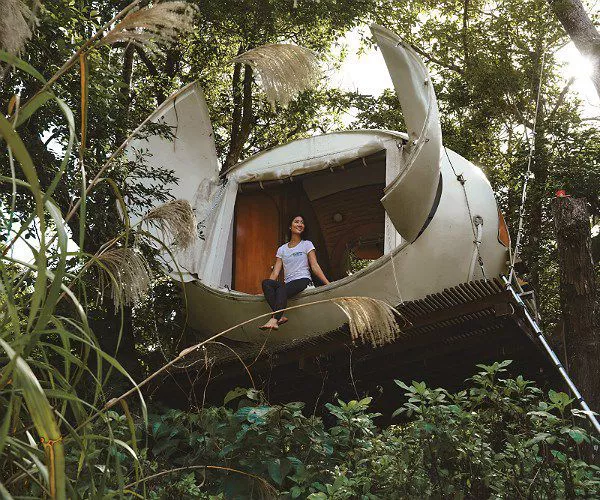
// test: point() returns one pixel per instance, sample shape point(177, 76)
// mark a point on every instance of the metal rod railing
point(538, 331)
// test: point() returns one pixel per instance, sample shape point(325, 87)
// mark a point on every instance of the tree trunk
point(243, 117)
point(582, 31)
point(537, 186)
point(578, 296)
point(126, 74)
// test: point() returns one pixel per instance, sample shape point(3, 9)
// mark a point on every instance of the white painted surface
point(192, 157)
point(192, 154)
point(409, 197)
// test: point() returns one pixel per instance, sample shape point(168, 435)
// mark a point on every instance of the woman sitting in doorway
point(298, 258)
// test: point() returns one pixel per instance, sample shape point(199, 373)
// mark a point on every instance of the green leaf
point(274, 467)
point(577, 436)
point(398, 412)
point(296, 463)
point(234, 394)
point(540, 436)
point(256, 415)
point(32, 106)
point(402, 385)
point(43, 419)
point(22, 65)
point(4, 493)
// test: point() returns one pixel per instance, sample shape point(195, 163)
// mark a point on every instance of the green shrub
point(500, 438)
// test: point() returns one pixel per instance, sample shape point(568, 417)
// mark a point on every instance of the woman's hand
point(316, 268)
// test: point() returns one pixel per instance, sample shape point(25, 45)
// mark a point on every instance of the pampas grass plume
point(284, 69)
point(127, 273)
point(371, 320)
point(175, 218)
point(162, 23)
point(16, 19)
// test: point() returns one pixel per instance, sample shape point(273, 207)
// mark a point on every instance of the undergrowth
point(499, 438)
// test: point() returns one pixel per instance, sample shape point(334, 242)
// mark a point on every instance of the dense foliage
point(499, 438)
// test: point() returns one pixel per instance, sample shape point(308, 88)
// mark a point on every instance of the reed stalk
point(337, 301)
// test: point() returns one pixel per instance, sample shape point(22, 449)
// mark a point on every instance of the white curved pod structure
point(440, 257)
point(190, 154)
point(409, 197)
point(441, 204)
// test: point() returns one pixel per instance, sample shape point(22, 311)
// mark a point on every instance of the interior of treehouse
point(343, 213)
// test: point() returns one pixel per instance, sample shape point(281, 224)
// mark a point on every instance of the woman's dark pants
point(277, 292)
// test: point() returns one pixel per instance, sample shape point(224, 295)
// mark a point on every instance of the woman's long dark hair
point(289, 227)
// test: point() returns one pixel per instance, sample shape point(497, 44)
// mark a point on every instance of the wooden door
point(256, 240)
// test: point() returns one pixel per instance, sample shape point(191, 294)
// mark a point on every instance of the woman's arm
point(276, 269)
point(315, 267)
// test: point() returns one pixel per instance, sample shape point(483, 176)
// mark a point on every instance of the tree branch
point(243, 116)
point(465, 28)
point(160, 96)
point(237, 105)
point(429, 57)
point(580, 28)
point(561, 98)
point(248, 115)
point(146, 60)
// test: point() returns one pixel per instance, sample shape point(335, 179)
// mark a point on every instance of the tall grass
point(53, 373)
point(45, 354)
point(58, 437)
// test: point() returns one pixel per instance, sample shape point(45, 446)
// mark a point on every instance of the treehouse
point(394, 216)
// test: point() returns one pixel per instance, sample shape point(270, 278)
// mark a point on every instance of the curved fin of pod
point(409, 197)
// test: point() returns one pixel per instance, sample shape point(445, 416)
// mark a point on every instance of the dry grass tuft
point(175, 218)
point(163, 23)
point(127, 273)
point(370, 320)
point(16, 19)
point(284, 69)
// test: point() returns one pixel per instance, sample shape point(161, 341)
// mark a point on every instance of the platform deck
point(449, 333)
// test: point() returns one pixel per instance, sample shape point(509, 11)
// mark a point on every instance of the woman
point(298, 258)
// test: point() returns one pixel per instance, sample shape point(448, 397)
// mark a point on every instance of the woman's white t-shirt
point(295, 260)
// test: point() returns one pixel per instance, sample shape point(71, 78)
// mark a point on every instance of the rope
point(211, 208)
point(49, 446)
point(460, 178)
point(515, 254)
point(396, 278)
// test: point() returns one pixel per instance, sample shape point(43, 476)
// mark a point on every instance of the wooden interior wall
point(261, 219)
point(363, 216)
point(261, 226)
point(257, 229)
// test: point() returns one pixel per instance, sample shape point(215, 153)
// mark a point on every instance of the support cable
point(515, 253)
point(476, 222)
point(553, 357)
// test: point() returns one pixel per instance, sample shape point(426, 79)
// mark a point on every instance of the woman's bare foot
point(282, 320)
point(270, 325)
